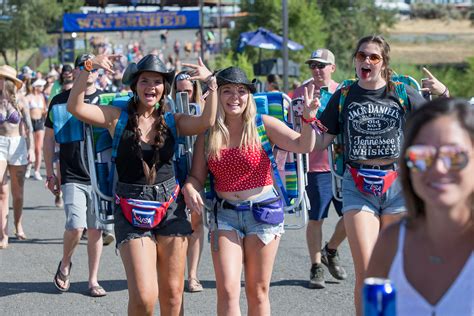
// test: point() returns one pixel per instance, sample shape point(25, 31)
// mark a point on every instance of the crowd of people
point(408, 174)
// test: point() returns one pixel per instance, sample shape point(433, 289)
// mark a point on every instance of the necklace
point(147, 117)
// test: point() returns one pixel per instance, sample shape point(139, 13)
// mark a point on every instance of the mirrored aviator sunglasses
point(422, 157)
point(374, 59)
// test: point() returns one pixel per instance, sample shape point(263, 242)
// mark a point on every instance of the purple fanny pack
point(267, 212)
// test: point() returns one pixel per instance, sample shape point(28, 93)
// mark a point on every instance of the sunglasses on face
point(422, 157)
point(317, 65)
point(374, 59)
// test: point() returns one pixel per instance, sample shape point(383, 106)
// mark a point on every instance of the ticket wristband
point(311, 120)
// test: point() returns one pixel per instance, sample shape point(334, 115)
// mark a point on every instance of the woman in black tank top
point(145, 171)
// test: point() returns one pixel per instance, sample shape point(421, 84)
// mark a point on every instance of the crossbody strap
point(119, 128)
point(262, 133)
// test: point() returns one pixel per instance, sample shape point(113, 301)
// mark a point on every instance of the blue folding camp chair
point(291, 166)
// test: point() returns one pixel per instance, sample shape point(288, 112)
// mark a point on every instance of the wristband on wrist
point(51, 177)
point(211, 83)
point(311, 120)
point(445, 94)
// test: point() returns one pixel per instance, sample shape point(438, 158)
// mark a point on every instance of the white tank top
point(34, 103)
point(457, 300)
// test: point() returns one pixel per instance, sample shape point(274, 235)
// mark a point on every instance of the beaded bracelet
point(445, 94)
point(51, 177)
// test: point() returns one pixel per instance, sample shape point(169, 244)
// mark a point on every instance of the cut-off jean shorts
point(389, 203)
point(175, 222)
point(243, 222)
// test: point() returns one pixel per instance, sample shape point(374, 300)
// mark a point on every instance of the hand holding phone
point(425, 91)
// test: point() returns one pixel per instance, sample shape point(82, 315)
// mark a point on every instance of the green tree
point(346, 21)
point(28, 23)
point(304, 18)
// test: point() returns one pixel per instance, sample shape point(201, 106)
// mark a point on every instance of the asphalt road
point(28, 267)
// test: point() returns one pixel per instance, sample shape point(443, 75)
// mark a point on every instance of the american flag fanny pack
point(145, 214)
point(373, 181)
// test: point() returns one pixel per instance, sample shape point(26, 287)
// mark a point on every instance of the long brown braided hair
point(161, 129)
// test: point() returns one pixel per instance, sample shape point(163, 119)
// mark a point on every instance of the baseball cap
point(322, 55)
point(81, 58)
point(66, 68)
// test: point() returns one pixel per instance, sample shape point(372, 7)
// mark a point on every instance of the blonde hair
point(219, 137)
point(9, 93)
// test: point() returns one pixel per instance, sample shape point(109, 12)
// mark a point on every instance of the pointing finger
point(200, 62)
point(428, 73)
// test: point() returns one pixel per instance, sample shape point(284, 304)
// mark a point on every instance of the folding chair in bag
point(291, 166)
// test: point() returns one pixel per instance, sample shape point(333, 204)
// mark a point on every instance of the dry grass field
point(431, 41)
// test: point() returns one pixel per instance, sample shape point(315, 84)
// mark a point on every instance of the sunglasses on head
point(374, 59)
point(422, 157)
point(317, 65)
point(183, 76)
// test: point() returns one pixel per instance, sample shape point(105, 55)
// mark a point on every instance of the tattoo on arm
point(29, 127)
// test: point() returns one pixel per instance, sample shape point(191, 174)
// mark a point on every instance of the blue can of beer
point(378, 297)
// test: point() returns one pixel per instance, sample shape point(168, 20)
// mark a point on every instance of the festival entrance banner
point(130, 21)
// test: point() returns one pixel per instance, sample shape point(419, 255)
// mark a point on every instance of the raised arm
point(102, 116)
point(323, 140)
point(192, 125)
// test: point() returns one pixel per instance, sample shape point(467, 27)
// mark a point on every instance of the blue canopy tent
point(263, 38)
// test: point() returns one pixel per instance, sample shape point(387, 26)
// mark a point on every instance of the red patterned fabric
point(240, 169)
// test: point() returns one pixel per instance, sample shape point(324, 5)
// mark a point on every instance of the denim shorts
point(389, 203)
point(174, 223)
point(38, 125)
point(319, 191)
point(243, 222)
point(78, 207)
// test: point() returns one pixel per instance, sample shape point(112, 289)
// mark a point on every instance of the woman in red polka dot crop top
point(243, 183)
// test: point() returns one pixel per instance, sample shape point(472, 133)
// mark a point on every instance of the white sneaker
point(28, 172)
point(38, 176)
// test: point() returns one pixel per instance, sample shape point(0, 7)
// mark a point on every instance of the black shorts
point(175, 222)
point(38, 125)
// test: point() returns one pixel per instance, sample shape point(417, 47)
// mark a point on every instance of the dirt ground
point(432, 41)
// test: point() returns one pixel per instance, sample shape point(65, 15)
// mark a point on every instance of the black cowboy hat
point(234, 75)
point(148, 63)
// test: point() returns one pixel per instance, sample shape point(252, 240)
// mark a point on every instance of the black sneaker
point(332, 262)
point(316, 278)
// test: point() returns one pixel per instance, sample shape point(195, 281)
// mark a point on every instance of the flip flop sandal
point(194, 285)
point(65, 278)
point(21, 236)
point(97, 291)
